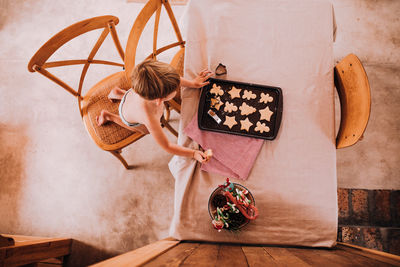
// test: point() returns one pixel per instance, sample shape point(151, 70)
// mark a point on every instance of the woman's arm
point(159, 136)
point(199, 81)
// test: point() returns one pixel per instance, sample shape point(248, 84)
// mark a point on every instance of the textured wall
point(371, 30)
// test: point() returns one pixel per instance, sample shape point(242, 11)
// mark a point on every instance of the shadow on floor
point(83, 254)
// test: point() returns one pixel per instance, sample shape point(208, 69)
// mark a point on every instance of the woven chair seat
point(96, 100)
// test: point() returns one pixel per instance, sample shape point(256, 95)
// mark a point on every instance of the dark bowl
point(219, 190)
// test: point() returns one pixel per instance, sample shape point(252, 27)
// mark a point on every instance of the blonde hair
point(154, 79)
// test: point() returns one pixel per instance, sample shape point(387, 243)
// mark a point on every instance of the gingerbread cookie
point(216, 90)
point(266, 98)
point(245, 124)
point(234, 92)
point(261, 127)
point(246, 109)
point(248, 95)
point(266, 114)
point(230, 121)
point(229, 107)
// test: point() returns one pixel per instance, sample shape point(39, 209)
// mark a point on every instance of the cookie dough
point(266, 98)
point(246, 109)
point(229, 107)
point(230, 121)
point(245, 124)
point(234, 92)
point(216, 90)
point(216, 103)
point(266, 114)
point(248, 95)
point(261, 127)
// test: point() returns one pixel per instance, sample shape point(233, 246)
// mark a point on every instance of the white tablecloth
point(288, 44)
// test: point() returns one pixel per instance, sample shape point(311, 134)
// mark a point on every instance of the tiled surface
point(369, 207)
point(370, 218)
point(379, 238)
point(54, 181)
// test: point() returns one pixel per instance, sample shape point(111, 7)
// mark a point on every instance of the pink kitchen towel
point(233, 155)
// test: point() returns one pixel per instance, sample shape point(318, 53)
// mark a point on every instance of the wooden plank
point(257, 256)
point(139, 256)
point(231, 255)
point(64, 36)
point(282, 256)
point(370, 253)
point(175, 256)
point(156, 23)
point(117, 43)
point(320, 257)
point(54, 64)
point(204, 256)
point(55, 79)
point(34, 251)
point(6, 241)
point(358, 260)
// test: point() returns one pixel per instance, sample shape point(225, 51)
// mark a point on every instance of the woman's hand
point(201, 79)
point(200, 156)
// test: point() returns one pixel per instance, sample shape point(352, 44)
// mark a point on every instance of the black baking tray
point(206, 122)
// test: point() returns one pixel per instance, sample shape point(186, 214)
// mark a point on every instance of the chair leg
point(117, 154)
point(167, 111)
point(164, 123)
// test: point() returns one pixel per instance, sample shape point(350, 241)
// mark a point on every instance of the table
point(288, 44)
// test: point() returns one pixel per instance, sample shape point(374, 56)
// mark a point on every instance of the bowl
point(219, 191)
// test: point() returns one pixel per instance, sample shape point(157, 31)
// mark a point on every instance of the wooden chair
point(154, 7)
point(353, 89)
point(110, 137)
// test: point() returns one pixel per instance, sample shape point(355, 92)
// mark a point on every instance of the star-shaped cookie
point(248, 95)
point(266, 114)
point(246, 109)
point(266, 98)
point(234, 92)
point(216, 90)
point(230, 121)
point(261, 127)
point(245, 124)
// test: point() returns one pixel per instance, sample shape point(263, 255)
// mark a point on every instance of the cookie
point(234, 92)
point(216, 103)
point(209, 154)
point(266, 114)
point(248, 95)
point(245, 124)
point(229, 107)
point(216, 90)
point(266, 98)
point(261, 127)
point(230, 121)
point(246, 109)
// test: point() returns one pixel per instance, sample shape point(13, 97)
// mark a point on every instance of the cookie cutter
point(214, 116)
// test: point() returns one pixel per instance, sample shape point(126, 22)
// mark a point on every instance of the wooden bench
point(20, 250)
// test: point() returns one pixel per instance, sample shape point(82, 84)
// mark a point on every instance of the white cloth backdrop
point(288, 44)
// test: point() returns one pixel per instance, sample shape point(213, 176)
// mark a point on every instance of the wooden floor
point(205, 254)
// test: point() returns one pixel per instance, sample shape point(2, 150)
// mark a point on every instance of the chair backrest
point(352, 85)
point(152, 6)
point(39, 61)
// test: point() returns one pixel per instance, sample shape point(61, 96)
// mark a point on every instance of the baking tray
point(257, 115)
